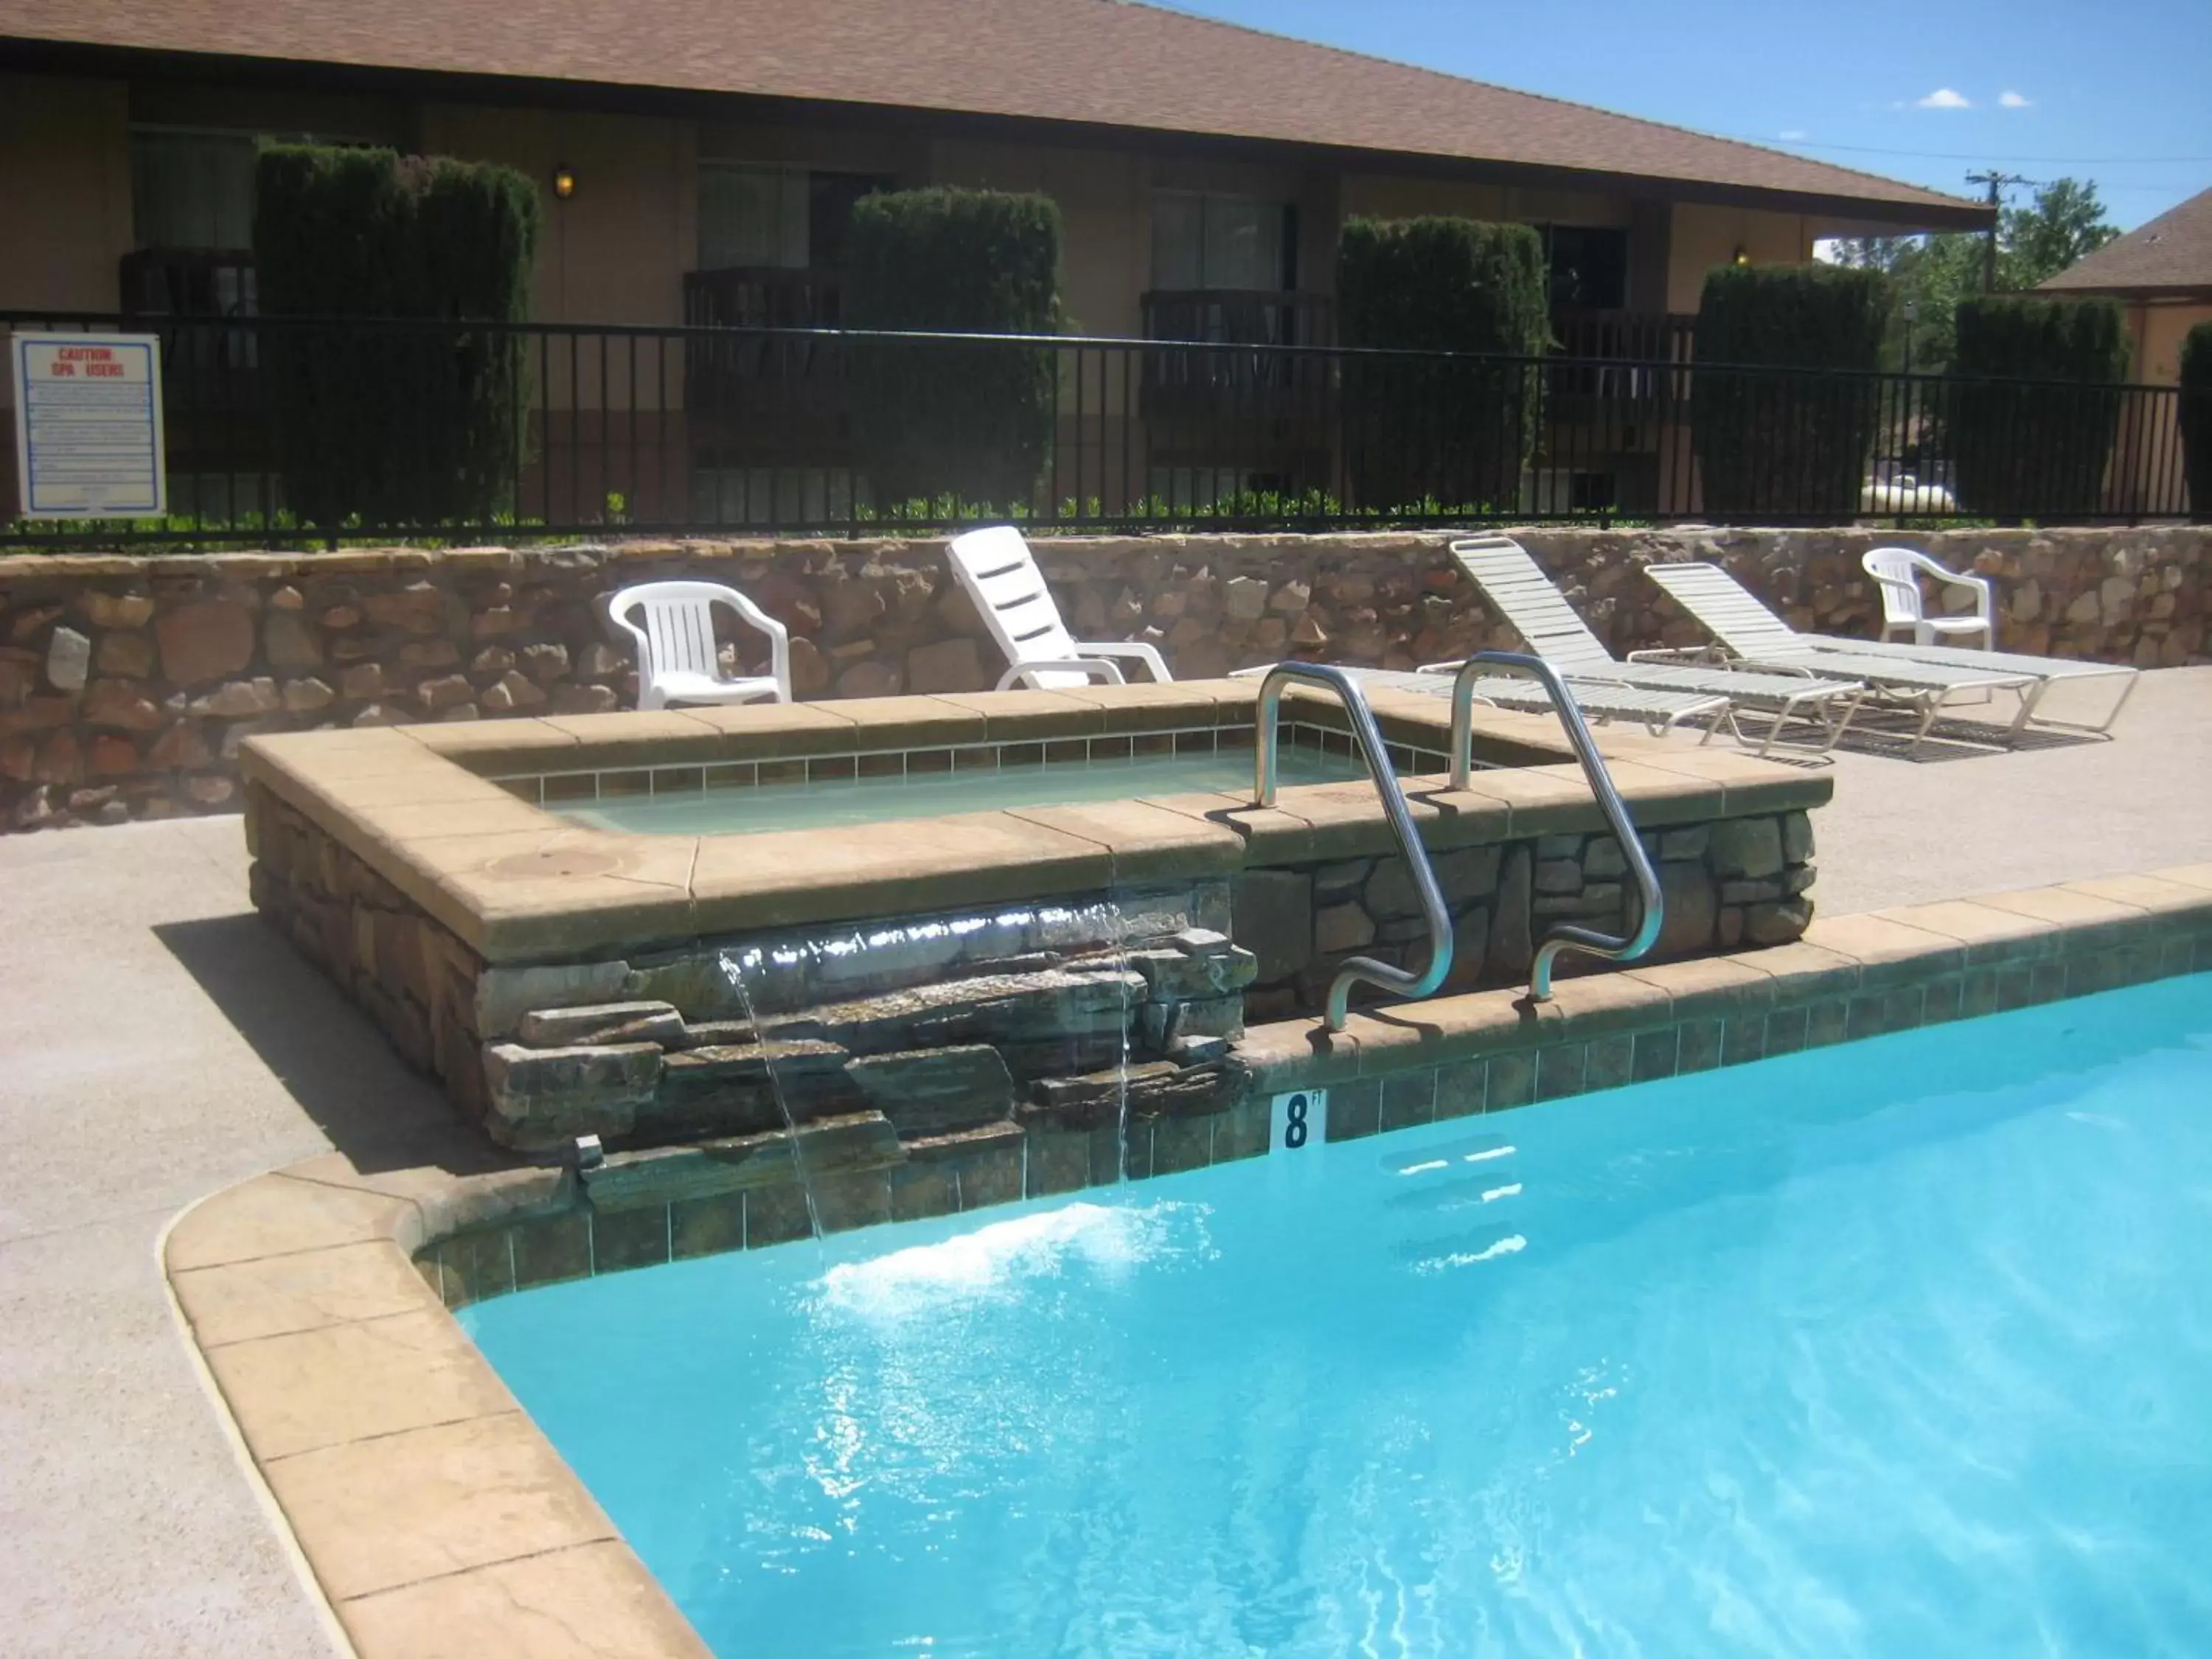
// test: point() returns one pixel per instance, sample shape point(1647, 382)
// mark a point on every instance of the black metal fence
point(726, 430)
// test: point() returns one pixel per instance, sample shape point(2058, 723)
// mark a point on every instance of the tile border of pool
point(437, 1518)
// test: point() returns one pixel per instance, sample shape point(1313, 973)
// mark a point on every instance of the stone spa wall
point(127, 684)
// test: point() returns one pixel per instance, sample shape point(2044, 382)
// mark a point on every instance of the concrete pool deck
point(162, 1044)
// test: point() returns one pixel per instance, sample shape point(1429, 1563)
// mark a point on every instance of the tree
point(2065, 224)
point(2065, 221)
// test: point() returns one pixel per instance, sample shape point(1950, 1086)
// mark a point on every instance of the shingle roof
point(1103, 61)
point(2173, 250)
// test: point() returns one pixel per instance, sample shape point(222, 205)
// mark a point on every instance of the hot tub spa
point(946, 931)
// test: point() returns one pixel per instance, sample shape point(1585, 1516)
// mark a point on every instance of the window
point(1201, 241)
point(1589, 266)
point(192, 189)
point(777, 217)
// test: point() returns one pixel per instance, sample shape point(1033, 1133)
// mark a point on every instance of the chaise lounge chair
point(996, 569)
point(1517, 588)
point(1715, 598)
point(1757, 638)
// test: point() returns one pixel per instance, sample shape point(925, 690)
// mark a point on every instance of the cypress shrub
point(2035, 451)
point(940, 419)
point(394, 426)
point(1784, 446)
point(2196, 414)
point(1452, 431)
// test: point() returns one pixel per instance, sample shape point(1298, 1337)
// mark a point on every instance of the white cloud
point(1944, 97)
point(1792, 135)
point(2015, 100)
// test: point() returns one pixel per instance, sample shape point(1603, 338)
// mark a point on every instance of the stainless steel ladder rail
point(1365, 734)
point(1562, 935)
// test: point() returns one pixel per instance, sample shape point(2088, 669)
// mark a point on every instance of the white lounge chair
point(1517, 588)
point(672, 624)
point(1720, 598)
point(996, 569)
point(1897, 572)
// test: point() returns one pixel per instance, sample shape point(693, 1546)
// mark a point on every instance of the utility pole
point(1998, 183)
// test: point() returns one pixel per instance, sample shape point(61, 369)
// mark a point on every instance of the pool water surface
point(753, 809)
point(1901, 1348)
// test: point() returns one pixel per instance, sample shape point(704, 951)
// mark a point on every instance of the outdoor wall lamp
point(1742, 254)
point(564, 183)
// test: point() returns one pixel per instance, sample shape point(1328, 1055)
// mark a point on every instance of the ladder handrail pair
point(1368, 738)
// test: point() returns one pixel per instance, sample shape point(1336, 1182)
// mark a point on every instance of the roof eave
point(1901, 214)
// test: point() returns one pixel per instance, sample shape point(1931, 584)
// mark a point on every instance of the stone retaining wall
point(127, 684)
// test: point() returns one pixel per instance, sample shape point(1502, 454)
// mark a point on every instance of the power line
point(1998, 183)
point(2031, 161)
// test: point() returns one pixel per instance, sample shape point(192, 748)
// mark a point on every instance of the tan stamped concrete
point(161, 1044)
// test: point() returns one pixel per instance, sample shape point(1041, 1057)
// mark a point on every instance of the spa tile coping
point(514, 882)
point(436, 1517)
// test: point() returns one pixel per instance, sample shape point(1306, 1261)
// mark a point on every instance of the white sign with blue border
point(88, 426)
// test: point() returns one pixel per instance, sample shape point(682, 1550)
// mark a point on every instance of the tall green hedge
point(1454, 431)
point(1782, 446)
point(2035, 406)
point(2196, 419)
point(931, 420)
point(394, 426)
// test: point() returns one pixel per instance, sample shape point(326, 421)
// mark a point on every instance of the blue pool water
point(1899, 1349)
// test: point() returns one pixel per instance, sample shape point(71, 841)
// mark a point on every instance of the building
point(2162, 272)
point(700, 159)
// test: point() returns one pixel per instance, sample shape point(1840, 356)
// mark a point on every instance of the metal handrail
point(1564, 935)
point(1368, 738)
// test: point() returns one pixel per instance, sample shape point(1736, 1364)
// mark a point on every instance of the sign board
point(1297, 1120)
point(88, 426)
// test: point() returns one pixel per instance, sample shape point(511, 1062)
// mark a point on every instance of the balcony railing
point(1642, 337)
point(763, 296)
point(177, 281)
point(1264, 386)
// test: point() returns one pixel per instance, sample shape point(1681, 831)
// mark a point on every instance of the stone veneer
point(127, 684)
point(954, 990)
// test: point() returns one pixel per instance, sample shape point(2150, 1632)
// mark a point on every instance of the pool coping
point(425, 808)
point(437, 1518)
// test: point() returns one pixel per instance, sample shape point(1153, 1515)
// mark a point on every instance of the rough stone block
point(929, 1090)
point(1690, 902)
point(947, 666)
point(504, 995)
point(1603, 860)
point(1688, 843)
point(1273, 912)
point(1776, 923)
point(68, 659)
point(1748, 848)
point(1512, 948)
point(541, 1098)
point(603, 1023)
point(1796, 837)
point(1340, 927)
point(205, 640)
point(1558, 876)
point(990, 1008)
point(1175, 976)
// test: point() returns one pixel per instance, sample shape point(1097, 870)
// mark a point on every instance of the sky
point(1921, 90)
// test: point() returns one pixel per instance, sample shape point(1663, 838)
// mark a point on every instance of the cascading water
point(733, 966)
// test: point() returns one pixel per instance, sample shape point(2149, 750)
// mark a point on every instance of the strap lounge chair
point(996, 569)
point(1759, 639)
point(672, 625)
point(1517, 588)
point(1721, 597)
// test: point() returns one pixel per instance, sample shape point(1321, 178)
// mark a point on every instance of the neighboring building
point(2163, 271)
point(716, 147)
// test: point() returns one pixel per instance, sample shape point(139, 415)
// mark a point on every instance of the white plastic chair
point(1896, 572)
point(674, 626)
point(996, 569)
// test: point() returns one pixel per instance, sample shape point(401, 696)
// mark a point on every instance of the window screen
point(192, 189)
point(1201, 241)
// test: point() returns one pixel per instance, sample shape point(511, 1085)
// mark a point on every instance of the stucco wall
point(127, 684)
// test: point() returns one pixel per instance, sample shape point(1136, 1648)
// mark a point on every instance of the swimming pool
point(1898, 1348)
point(817, 802)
